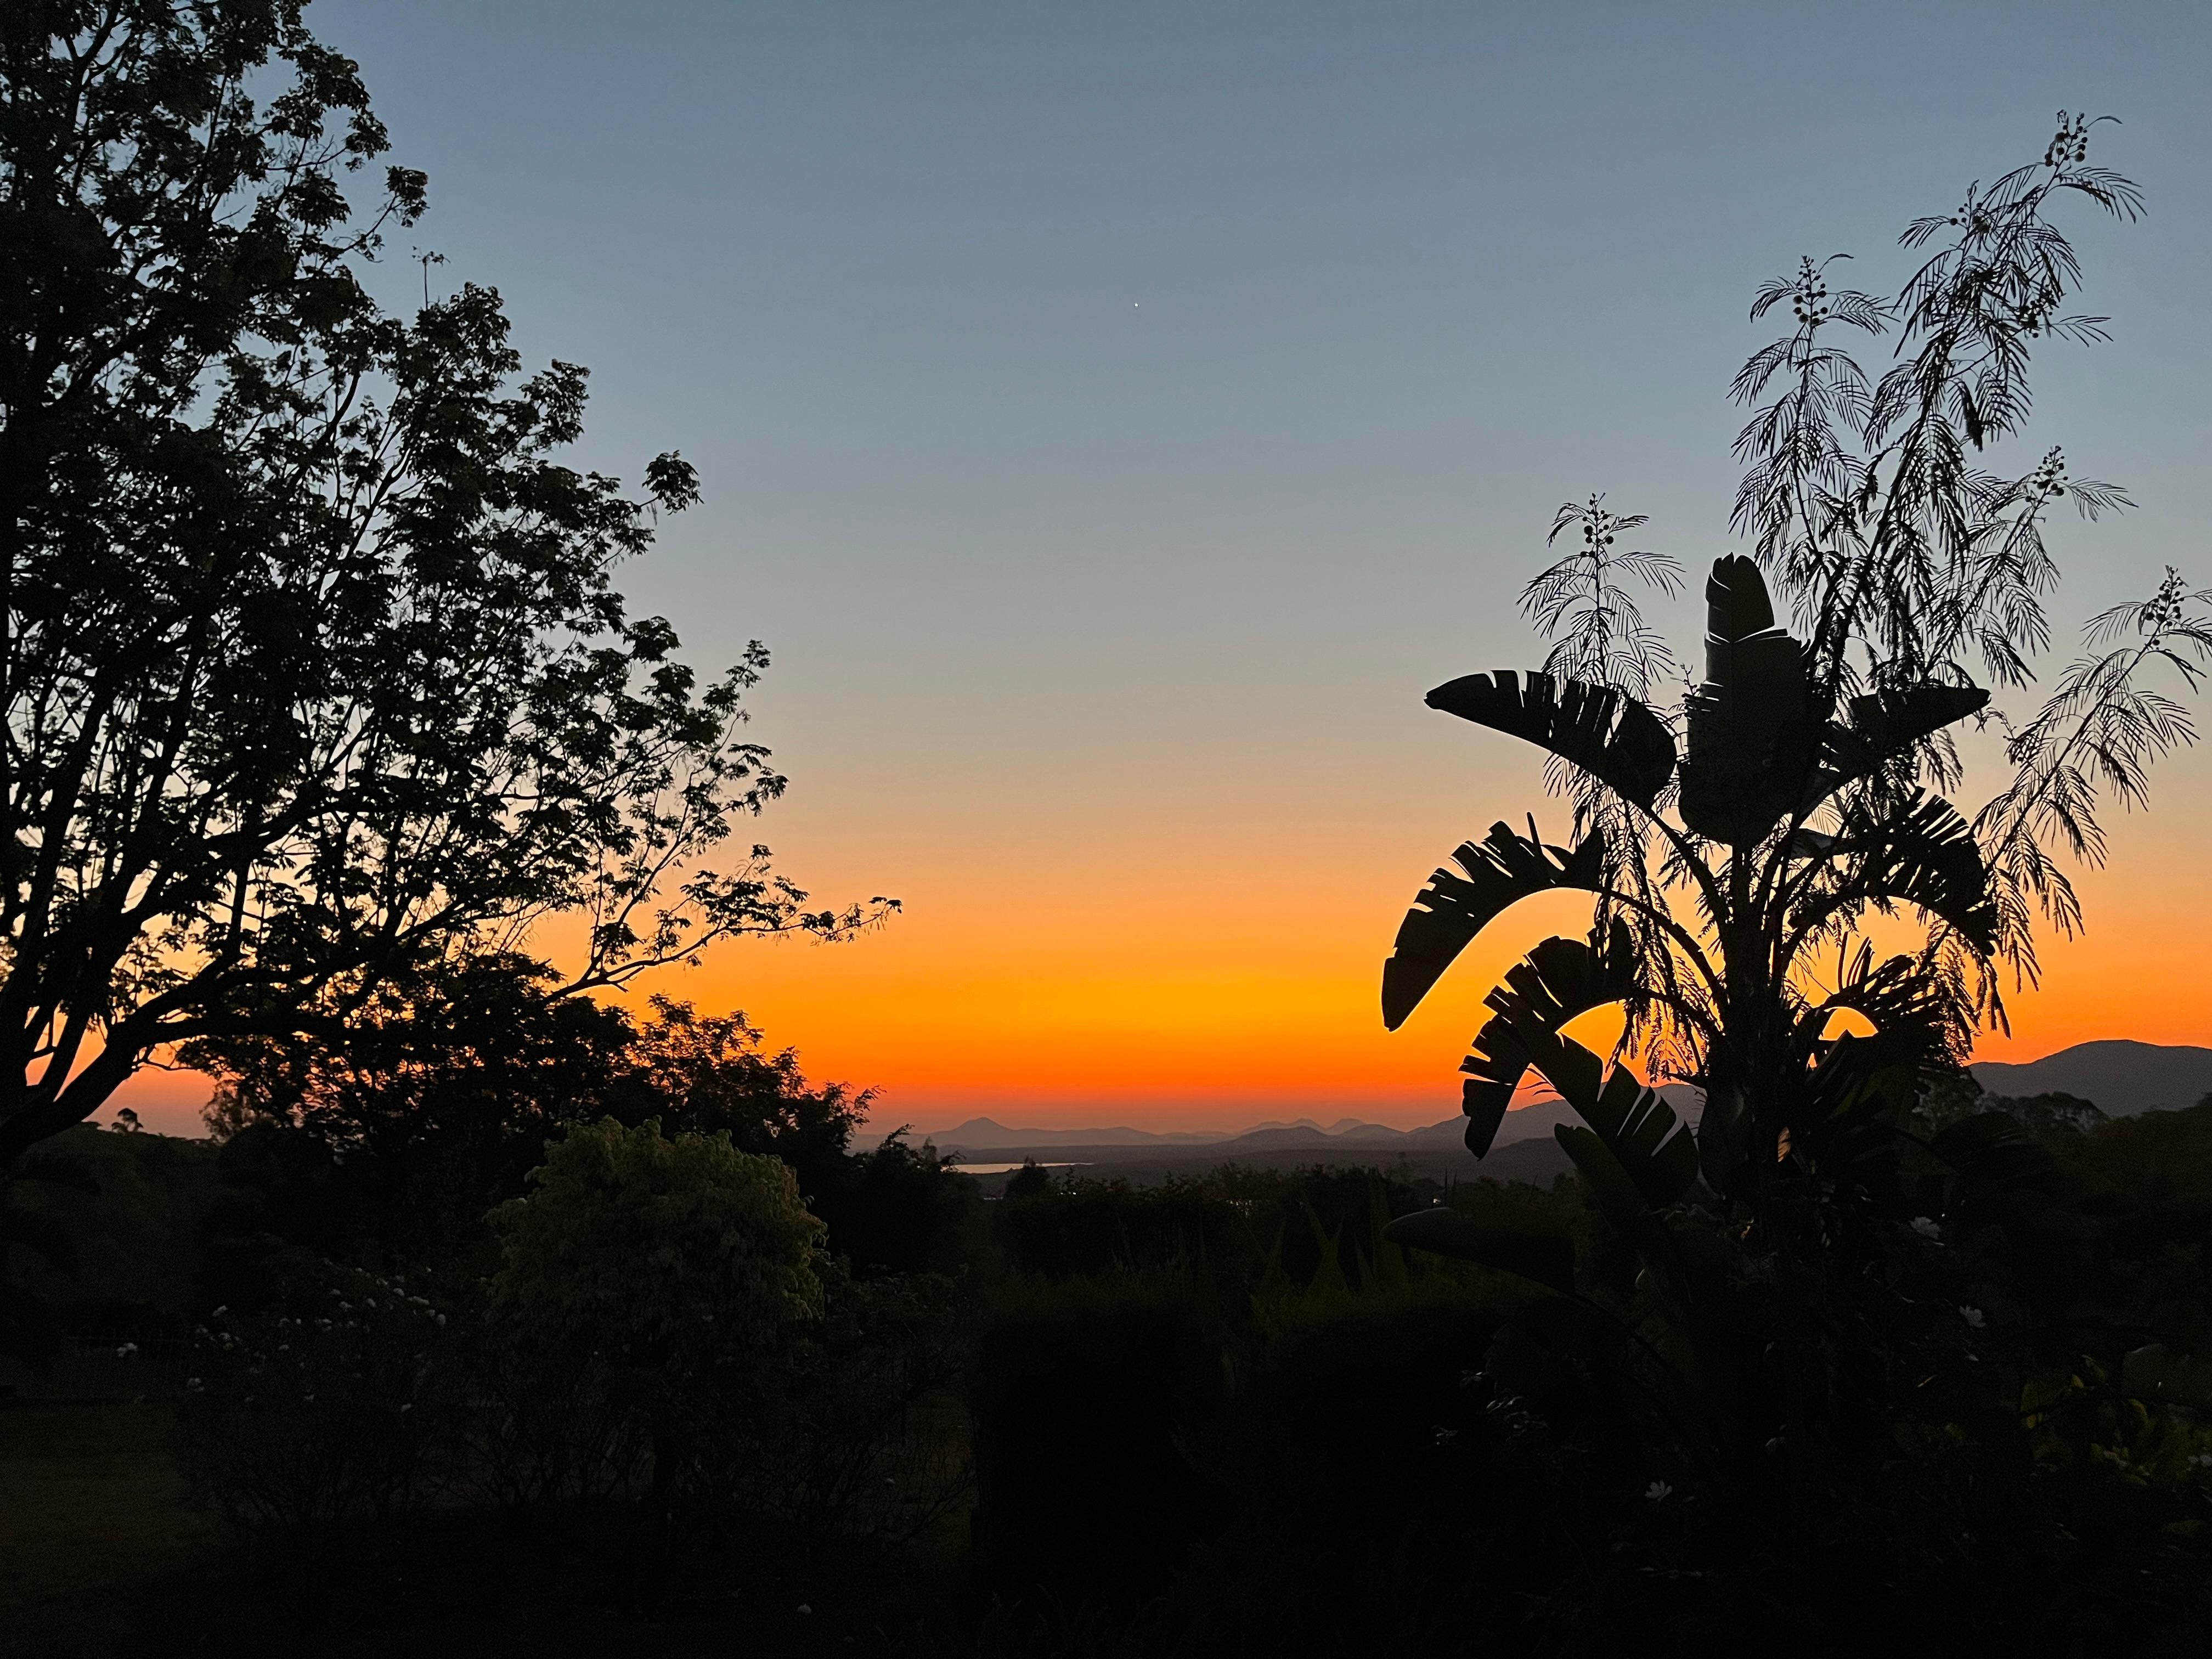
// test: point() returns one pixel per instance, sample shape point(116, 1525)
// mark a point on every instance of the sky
point(1114, 418)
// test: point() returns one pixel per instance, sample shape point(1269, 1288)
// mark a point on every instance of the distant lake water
point(966, 1168)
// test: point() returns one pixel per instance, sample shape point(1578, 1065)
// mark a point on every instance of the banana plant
point(1742, 849)
point(1737, 847)
point(1780, 817)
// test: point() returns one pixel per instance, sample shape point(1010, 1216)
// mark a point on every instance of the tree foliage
point(386, 1137)
point(313, 667)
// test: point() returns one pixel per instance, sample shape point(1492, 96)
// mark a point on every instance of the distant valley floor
point(1538, 1162)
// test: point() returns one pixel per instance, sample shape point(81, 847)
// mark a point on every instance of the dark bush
point(1099, 1226)
point(664, 1372)
point(899, 1209)
point(1085, 1397)
point(323, 1408)
point(1032, 1180)
point(1354, 1479)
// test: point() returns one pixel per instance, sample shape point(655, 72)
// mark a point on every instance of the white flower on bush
point(1972, 1316)
point(1926, 1227)
point(1657, 1491)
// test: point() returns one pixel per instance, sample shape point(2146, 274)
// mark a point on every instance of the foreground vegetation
point(1227, 1414)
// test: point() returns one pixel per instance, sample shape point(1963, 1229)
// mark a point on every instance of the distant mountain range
point(983, 1134)
point(2121, 1078)
point(1531, 1123)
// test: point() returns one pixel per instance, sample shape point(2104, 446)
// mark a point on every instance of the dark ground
point(103, 1553)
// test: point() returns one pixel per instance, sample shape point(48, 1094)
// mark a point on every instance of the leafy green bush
point(657, 1252)
point(662, 1328)
point(655, 1278)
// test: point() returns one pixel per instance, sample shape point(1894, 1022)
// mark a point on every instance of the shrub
point(1093, 1226)
point(1084, 1397)
point(322, 1407)
point(654, 1277)
point(853, 1439)
point(668, 1254)
point(900, 1208)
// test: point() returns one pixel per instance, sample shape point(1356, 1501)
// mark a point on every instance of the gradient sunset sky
point(1115, 417)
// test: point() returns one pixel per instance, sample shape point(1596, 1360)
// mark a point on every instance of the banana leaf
point(1754, 735)
point(1928, 856)
point(1559, 979)
point(1530, 1247)
point(1902, 1001)
point(1642, 1141)
point(1858, 1094)
point(1607, 733)
point(1504, 867)
point(1642, 1131)
point(1618, 1199)
point(1885, 724)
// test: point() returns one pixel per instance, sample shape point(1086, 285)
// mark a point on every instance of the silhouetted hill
point(2122, 1078)
point(983, 1134)
point(979, 1135)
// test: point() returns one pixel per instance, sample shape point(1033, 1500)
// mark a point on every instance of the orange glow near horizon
point(1233, 988)
point(1215, 997)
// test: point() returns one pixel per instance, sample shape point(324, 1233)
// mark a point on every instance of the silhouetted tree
point(713, 1074)
point(313, 672)
point(426, 1107)
point(893, 1206)
point(1032, 1180)
point(1738, 846)
point(390, 1135)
